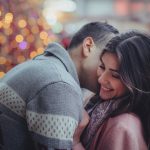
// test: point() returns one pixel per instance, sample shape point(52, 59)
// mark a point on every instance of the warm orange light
point(38, 44)
point(9, 31)
point(30, 38)
point(6, 50)
point(35, 29)
point(1, 74)
point(22, 23)
point(1, 24)
point(6, 25)
point(8, 62)
point(2, 39)
point(31, 21)
point(13, 44)
point(40, 50)
point(2, 60)
point(19, 38)
point(33, 54)
point(25, 32)
point(20, 59)
point(43, 35)
point(47, 41)
point(8, 17)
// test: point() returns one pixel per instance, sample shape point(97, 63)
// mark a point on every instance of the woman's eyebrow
point(114, 70)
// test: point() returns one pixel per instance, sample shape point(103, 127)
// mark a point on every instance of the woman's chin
point(105, 96)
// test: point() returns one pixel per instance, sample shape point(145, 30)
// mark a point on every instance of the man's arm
point(53, 114)
point(77, 145)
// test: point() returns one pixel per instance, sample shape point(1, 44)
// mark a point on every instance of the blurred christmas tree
point(24, 32)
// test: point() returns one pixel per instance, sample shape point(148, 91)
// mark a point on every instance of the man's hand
point(76, 137)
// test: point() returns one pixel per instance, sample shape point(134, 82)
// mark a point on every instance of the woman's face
point(111, 85)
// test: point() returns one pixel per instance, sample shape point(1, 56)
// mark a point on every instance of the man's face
point(90, 65)
point(89, 72)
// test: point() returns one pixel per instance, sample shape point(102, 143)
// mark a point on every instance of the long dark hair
point(133, 51)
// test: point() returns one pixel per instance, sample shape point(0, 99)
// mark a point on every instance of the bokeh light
point(22, 23)
point(33, 54)
point(19, 38)
point(6, 25)
point(1, 24)
point(8, 18)
point(35, 29)
point(9, 31)
point(1, 74)
point(30, 38)
point(13, 44)
point(20, 58)
point(23, 45)
point(40, 50)
point(25, 32)
point(43, 35)
point(3, 39)
point(2, 60)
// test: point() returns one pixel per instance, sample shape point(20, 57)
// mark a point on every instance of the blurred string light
point(33, 54)
point(19, 38)
point(22, 23)
point(43, 35)
point(8, 18)
point(40, 50)
point(24, 32)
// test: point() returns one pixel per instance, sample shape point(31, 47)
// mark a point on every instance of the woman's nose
point(103, 78)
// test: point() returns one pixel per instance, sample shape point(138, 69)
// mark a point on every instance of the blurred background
point(28, 26)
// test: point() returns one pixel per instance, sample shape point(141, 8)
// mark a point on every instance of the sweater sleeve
point(53, 114)
point(124, 134)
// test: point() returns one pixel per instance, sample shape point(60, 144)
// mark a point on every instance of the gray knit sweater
point(40, 103)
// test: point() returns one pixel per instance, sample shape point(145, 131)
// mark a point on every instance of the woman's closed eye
point(102, 67)
point(116, 75)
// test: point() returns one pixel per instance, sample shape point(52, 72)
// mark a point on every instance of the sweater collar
point(58, 51)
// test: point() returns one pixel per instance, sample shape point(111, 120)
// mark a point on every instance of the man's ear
point(88, 43)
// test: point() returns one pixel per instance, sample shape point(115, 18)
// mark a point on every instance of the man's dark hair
point(99, 31)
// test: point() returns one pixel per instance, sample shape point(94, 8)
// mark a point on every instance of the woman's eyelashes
point(102, 67)
point(116, 75)
point(112, 73)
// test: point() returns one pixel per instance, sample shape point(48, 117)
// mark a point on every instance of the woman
point(120, 112)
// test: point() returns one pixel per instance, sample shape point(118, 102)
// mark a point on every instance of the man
point(41, 99)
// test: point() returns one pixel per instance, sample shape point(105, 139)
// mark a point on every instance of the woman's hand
point(76, 137)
